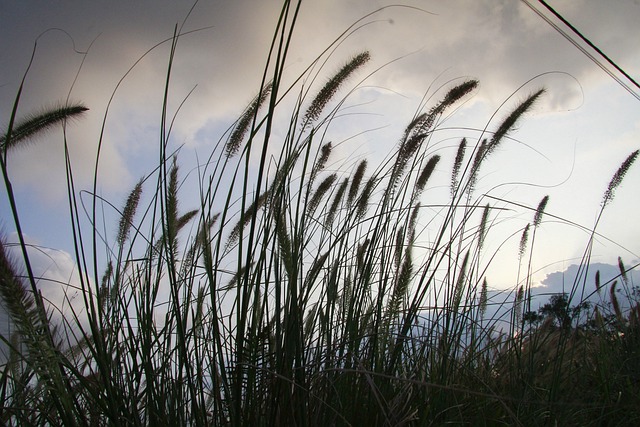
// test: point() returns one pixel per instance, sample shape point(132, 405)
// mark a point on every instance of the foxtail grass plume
point(537, 218)
point(614, 300)
point(337, 199)
point(331, 87)
point(518, 305)
point(425, 121)
point(285, 246)
point(17, 300)
point(203, 234)
point(365, 195)
point(457, 164)
point(235, 279)
point(419, 129)
point(475, 166)
point(413, 219)
point(523, 241)
point(361, 252)
point(325, 152)
point(482, 229)
point(316, 267)
point(129, 211)
point(483, 298)
point(246, 218)
point(401, 287)
point(485, 148)
point(37, 123)
point(462, 276)
point(355, 182)
point(322, 189)
point(405, 152)
point(185, 218)
point(618, 176)
point(399, 246)
point(623, 272)
point(103, 292)
point(511, 120)
point(428, 169)
point(242, 126)
point(172, 201)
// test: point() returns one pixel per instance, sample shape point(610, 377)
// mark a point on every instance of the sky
point(569, 145)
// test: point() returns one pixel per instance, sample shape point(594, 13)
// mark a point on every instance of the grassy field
point(303, 290)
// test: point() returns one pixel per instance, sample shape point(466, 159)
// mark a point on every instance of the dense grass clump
point(298, 294)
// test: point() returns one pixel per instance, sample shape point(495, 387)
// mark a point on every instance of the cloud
point(501, 43)
point(582, 282)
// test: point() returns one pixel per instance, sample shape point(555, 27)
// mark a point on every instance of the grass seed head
point(331, 87)
point(37, 123)
point(244, 122)
point(355, 182)
point(618, 176)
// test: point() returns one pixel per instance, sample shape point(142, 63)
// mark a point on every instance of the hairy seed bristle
point(623, 272)
point(537, 218)
point(618, 176)
point(523, 241)
point(331, 87)
point(244, 122)
point(185, 218)
point(510, 121)
point(360, 253)
point(459, 91)
point(457, 164)
point(103, 292)
point(365, 195)
point(475, 166)
point(40, 122)
point(285, 246)
point(614, 301)
point(235, 279)
point(355, 182)
point(337, 198)
point(518, 303)
point(322, 189)
point(399, 246)
point(203, 233)
point(459, 287)
point(314, 271)
point(401, 287)
point(424, 122)
point(414, 218)
point(483, 298)
point(415, 123)
point(129, 211)
point(482, 229)
point(172, 201)
point(321, 161)
point(407, 149)
point(246, 218)
point(428, 169)
point(325, 152)
point(18, 302)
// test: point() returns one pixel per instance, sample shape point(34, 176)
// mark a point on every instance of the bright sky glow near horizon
point(569, 145)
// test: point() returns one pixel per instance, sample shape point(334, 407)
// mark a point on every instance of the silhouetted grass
point(310, 297)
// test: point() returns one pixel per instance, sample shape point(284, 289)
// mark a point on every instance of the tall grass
point(298, 294)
